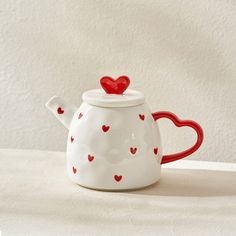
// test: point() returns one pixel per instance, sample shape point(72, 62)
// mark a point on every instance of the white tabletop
point(37, 198)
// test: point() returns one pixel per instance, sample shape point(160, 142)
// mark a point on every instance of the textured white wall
point(181, 54)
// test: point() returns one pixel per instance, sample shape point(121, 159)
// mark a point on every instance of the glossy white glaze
point(110, 148)
point(98, 97)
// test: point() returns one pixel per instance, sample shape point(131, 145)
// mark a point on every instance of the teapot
point(114, 141)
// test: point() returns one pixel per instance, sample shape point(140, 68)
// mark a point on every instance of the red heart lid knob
point(114, 93)
point(115, 86)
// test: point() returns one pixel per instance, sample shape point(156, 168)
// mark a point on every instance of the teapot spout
point(63, 111)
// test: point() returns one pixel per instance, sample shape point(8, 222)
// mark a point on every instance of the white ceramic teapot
point(114, 141)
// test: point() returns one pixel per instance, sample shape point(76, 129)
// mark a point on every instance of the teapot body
point(113, 148)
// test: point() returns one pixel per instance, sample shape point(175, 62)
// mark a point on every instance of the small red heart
point(155, 150)
point(133, 150)
point(74, 170)
point(118, 177)
point(80, 115)
point(60, 110)
point(115, 86)
point(142, 117)
point(90, 158)
point(71, 139)
point(105, 128)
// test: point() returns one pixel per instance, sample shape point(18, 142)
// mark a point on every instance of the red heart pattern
point(117, 178)
point(115, 86)
point(90, 157)
point(60, 110)
point(133, 150)
point(74, 170)
point(105, 128)
point(142, 117)
point(155, 150)
point(80, 115)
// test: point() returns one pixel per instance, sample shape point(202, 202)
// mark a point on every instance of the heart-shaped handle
point(115, 86)
point(180, 123)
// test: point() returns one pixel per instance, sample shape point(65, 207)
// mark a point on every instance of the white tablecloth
point(37, 198)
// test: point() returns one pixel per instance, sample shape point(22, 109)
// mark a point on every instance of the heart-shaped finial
point(115, 86)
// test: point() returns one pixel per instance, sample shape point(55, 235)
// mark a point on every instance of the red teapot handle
point(180, 123)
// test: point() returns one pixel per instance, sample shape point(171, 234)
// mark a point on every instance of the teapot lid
point(114, 94)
